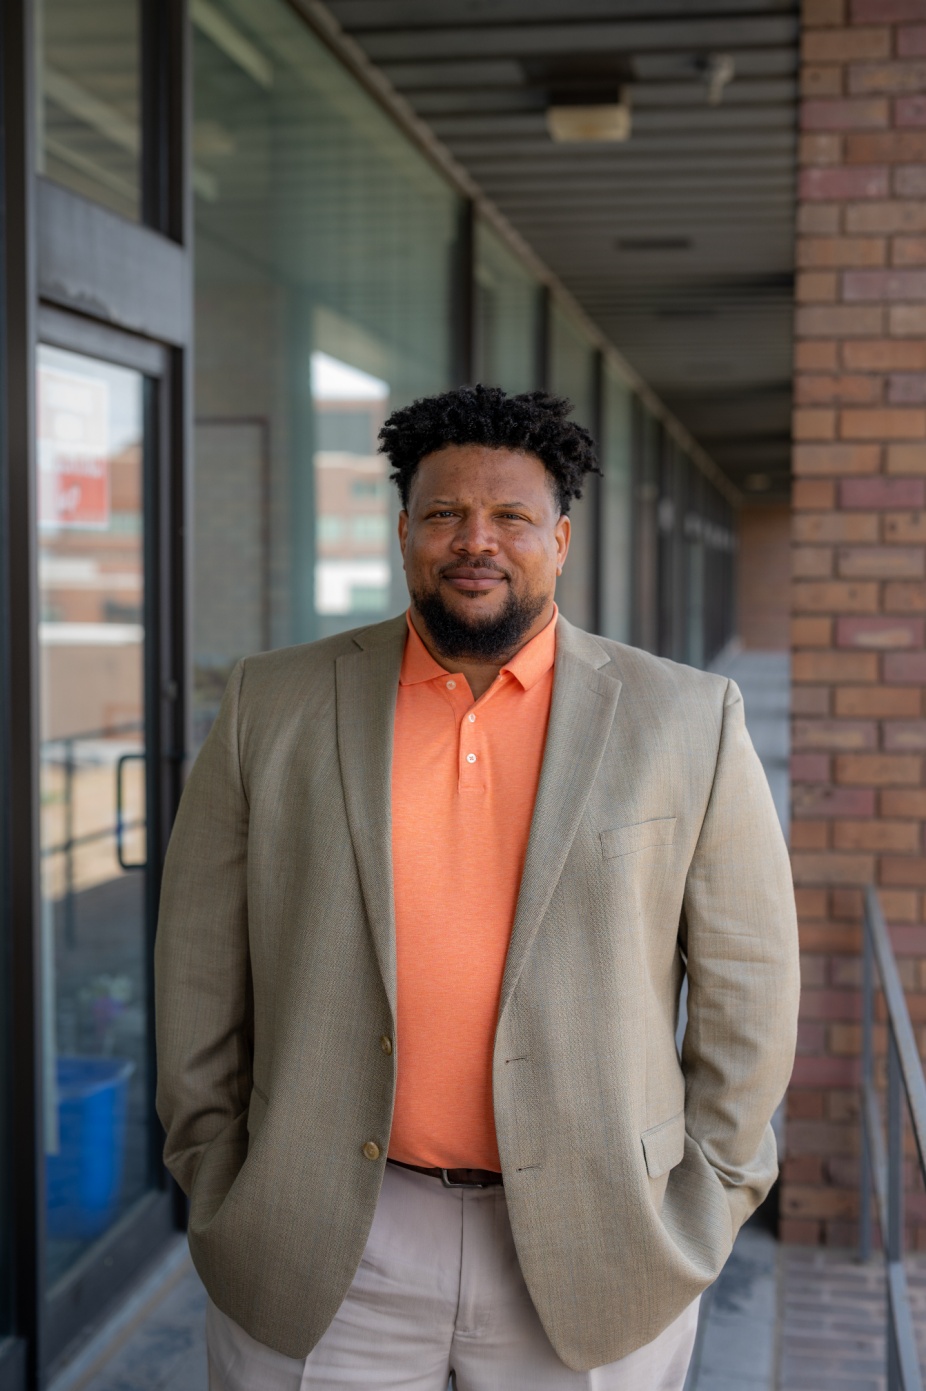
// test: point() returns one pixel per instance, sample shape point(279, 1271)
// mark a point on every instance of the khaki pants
point(438, 1294)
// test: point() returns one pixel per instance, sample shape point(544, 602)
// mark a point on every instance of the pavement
point(779, 1318)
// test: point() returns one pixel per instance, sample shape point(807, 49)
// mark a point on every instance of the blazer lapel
point(366, 682)
point(581, 714)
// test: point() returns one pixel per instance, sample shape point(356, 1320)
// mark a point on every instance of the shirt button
point(451, 685)
point(472, 719)
point(385, 1044)
point(471, 758)
point(371, 1149)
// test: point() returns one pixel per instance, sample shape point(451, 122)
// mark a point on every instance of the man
point(426, 912)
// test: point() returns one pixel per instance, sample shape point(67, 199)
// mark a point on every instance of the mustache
point(474, 563)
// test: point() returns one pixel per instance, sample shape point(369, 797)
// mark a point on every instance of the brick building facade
point(859, 563)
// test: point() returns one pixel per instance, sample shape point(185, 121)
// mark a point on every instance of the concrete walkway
point(779, 1318)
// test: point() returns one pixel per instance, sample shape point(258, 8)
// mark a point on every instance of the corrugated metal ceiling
point(679, 242)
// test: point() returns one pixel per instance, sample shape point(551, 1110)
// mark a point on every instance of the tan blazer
point(654, 838)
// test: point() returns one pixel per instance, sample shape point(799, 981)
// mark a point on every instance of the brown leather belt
point(457, 1178)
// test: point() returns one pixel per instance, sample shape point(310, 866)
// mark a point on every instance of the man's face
point(483, 541)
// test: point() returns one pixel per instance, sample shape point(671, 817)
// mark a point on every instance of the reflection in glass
point(647, 443)
point(93, 806)
point(507, 316)
point(617, 504)
point(89, 99)
point(352, 494)
point(694, 562)
point(324, 247)
point(572, 366)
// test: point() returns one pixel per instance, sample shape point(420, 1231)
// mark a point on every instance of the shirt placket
point(474, 744)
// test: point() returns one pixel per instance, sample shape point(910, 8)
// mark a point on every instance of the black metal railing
point(882, 1166)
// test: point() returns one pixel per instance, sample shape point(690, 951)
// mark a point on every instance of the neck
point(479, 674)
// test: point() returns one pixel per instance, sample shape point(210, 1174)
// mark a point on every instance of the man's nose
point(475, 535)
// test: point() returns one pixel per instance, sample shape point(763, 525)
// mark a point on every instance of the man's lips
point(472, 580)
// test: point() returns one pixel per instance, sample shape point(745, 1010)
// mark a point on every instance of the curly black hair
point(532, 423)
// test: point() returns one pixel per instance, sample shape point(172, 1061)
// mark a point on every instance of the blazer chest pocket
point(664, 1145)
point(626, 840)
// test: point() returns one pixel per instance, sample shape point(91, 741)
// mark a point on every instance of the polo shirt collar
point(527, 666)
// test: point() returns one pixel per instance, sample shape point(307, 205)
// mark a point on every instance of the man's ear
point(403, 532)
point(562, 532)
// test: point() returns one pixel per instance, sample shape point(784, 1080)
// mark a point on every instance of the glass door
point(95, 459)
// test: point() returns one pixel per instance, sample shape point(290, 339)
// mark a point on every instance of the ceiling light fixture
point(587, 95)
point(605, 121)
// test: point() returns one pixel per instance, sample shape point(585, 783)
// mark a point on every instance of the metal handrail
point(65, 744)
point(882, 1166)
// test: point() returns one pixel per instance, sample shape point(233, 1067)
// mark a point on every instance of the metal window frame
point(80, 277)
point(19, 330)
point(594, 486)
point(86, 1290)
point(463, 297)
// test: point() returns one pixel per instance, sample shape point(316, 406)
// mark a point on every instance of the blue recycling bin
point(84, 1179)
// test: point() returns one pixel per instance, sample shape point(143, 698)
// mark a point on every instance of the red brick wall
point(763, 573)
point(859, 558)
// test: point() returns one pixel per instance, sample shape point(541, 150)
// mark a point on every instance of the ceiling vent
point(654, 243)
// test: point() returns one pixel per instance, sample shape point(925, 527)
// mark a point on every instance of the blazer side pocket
point(664, 1145)
point(257, 1109)
point(626, 840)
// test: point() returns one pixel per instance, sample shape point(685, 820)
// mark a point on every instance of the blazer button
point(371, 1149)
point(385, 1044)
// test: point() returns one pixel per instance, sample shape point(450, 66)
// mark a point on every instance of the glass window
point(671, 585)
point(6, 1051)
point(508, 306)
point(572, 365)
point(617, 505)
point(646, 447)
point(695, 530)
point(324, 249)
point(99, 1141)
point(89, 99)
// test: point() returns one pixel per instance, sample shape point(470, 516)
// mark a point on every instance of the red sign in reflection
point(75, 491)
point(73, 447)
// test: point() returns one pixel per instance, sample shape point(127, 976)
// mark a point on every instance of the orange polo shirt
point(464, 782)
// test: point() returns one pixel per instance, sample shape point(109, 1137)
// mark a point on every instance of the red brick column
point(859, 562)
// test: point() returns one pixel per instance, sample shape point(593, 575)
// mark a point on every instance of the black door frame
point(102, 1273)
point(78, 276)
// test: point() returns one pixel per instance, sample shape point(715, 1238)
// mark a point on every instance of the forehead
point(476, 470)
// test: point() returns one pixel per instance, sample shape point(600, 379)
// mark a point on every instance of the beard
point(475, 639)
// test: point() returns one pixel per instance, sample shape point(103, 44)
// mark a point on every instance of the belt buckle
point(448, 1182)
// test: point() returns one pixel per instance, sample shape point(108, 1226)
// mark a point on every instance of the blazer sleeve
point(740, 932)
point(203, 1009)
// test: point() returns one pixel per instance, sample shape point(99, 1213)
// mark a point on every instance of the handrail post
point(865, 1158)
point(894, 1235)
point(884, 1163)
